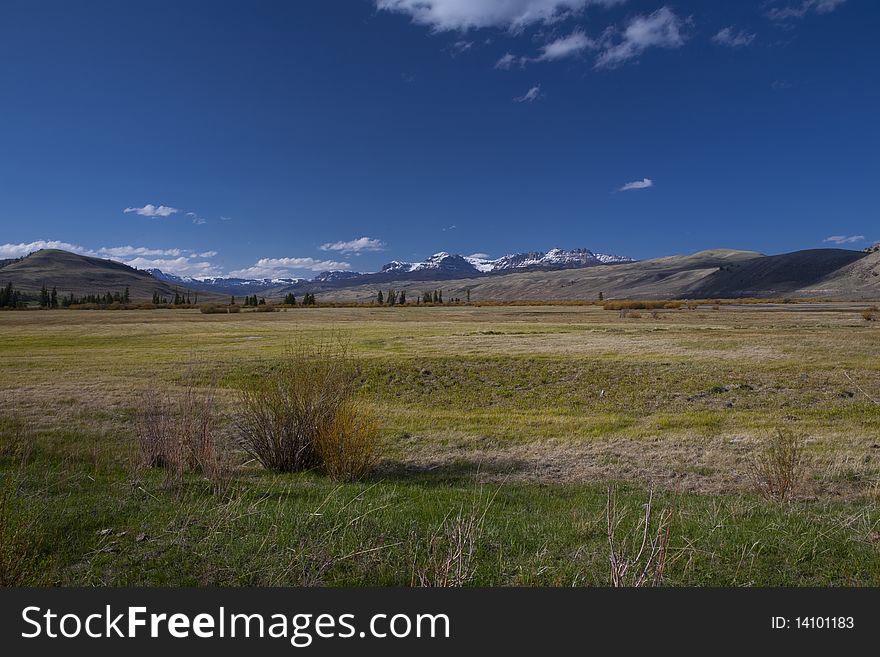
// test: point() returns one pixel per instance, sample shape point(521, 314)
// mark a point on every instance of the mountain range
point(555, 275)
point(440, 266)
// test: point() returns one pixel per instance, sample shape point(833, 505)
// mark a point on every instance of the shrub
point(211, 309)
point(347, 444)
point(451, 550)
point(638, 557)
point(265, 308)
point(181, 434)
point(778, 468)
point(283, 412)
point(233, 309)
point(870, 314)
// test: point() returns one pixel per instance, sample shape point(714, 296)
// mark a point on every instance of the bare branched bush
point(181, 434)
point(870, 314)
point(153, 430)
point(282, 413)
point(638, 557)
point(348, 443)
point(451, 550)
point(778, 467)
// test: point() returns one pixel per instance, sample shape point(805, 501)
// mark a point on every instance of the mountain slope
point(660, 278)
point(77, 274)
point(775, 275)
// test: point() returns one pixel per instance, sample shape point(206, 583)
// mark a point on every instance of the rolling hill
point(77, 274)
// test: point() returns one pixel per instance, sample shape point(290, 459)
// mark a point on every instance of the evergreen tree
point(469, 295)
point(380, 299)
point(426, 297)
point(232, 301)
point(262, 302)
point(440, 296)
point(53, 298)
point(402, 299)
point(126, 296)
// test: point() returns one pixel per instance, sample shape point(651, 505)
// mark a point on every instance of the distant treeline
point(394, 298)
point(10, 298)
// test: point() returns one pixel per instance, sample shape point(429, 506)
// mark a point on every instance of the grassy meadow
point(502, 429)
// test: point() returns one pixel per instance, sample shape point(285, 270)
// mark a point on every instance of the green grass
point(93, 523)
point(541, 408)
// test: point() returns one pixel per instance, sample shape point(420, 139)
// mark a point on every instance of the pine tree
point(426, 297)
point(232, 301)
point(440, 296)
point(469, 295)
point(402, 299)
point(380, 299)
point(125, 297)
point(53, 298)
point(601, 296)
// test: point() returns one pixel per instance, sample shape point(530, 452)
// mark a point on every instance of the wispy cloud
point(507, 61)
point(358, 245)
point(150, 210)
point(568, 46)
point(645, 183)
point(662, 29)
point(287, 267)
point(460, 47)
point(805, 7)
point(844, 239)
point(530, 96)
point(733, 39)
point(463, 15)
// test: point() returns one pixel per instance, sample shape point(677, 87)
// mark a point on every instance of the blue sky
point(284, 138)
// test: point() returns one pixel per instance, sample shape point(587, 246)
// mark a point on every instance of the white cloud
point(506, 62)
point(804, 8)
point(568, 46)
point(24, 248)
point(184, 262)
point(358, 245)
point(530, 96)
point(150, 210)
point(662, 29)
point(645, 183)
point(285, 267)
point(182, 266)
point(845, 239)
point(733, 39)
point(444, 15)
point(128, 251)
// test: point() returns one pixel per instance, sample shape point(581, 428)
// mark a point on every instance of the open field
point(517, 416)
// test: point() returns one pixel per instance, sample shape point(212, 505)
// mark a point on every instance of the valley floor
point(517, 418)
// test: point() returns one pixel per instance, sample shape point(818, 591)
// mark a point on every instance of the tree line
point(394, 298)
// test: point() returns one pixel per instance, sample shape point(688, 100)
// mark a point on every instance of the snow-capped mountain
point(481, 263)
point(223, 284)
point(335, 275)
